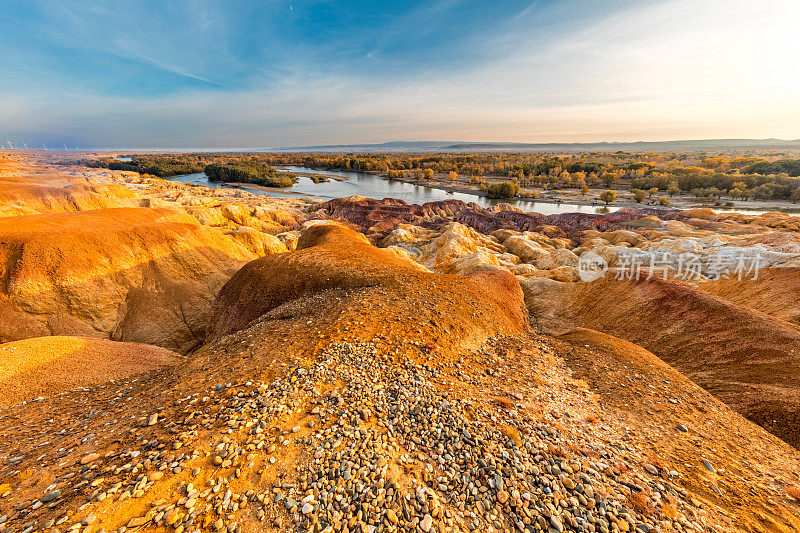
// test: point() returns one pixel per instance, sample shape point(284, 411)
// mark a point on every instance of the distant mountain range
point(641, 146)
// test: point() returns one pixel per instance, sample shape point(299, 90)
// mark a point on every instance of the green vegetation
point(249, 172)
point(504, 189)
point(608, 196)
point(161, 166)
point(790, 167)
point(771, 175)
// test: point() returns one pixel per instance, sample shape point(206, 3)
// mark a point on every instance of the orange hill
point(746, 358)
point(775, 292)
point(369, 373)
point(134, 274)
point(336, 261)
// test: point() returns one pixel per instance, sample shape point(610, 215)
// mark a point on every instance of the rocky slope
point(746, 358)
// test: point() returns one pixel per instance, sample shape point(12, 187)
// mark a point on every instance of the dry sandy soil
point(44, 366)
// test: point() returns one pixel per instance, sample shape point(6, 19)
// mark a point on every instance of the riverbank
point(313, 174)
point(263, 188)
point(591, 198)
point(341, 184)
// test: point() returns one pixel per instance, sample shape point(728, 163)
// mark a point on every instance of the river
point(373, 186)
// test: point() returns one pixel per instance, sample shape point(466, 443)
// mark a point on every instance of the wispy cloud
point(163, 66)
point(539, 71)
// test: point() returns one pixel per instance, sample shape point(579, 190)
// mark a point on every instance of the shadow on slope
point(776, 292)
point(747, 359)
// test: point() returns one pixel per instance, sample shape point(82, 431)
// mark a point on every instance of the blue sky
point(263, 74)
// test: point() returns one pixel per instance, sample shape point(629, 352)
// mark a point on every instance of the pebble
point(427, 523)
point(90, 458)
point(475, 469)
point(50, 496)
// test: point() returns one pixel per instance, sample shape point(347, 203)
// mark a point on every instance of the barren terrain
point(365, 365)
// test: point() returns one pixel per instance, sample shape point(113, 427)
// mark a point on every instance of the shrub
point(638, 501)
point(504, 189)
point(512, 434)
point(608, 196)
point(529, 194)
point(638, 195)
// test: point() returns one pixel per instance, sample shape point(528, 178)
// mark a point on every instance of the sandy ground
point(43, 366)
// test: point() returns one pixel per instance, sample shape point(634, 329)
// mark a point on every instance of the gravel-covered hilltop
point(370, 366)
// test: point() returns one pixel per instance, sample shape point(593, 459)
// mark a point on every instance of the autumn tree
point(608, 196)
point(638, 195)
point(673, 188)
point(452, 176)
point(610, 178)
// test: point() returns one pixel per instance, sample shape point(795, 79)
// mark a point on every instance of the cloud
point(165, 67)
point(662, 70)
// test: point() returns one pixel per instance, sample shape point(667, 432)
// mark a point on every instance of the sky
point(246, 74)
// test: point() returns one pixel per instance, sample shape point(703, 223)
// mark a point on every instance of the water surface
point(373, 186)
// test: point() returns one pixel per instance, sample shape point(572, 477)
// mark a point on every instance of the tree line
point(760, 175)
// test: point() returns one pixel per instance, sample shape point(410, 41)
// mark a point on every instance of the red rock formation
point(382, 216)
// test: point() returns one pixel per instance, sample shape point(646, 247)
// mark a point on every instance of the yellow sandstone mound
point(132, 274)
point(44, 366)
